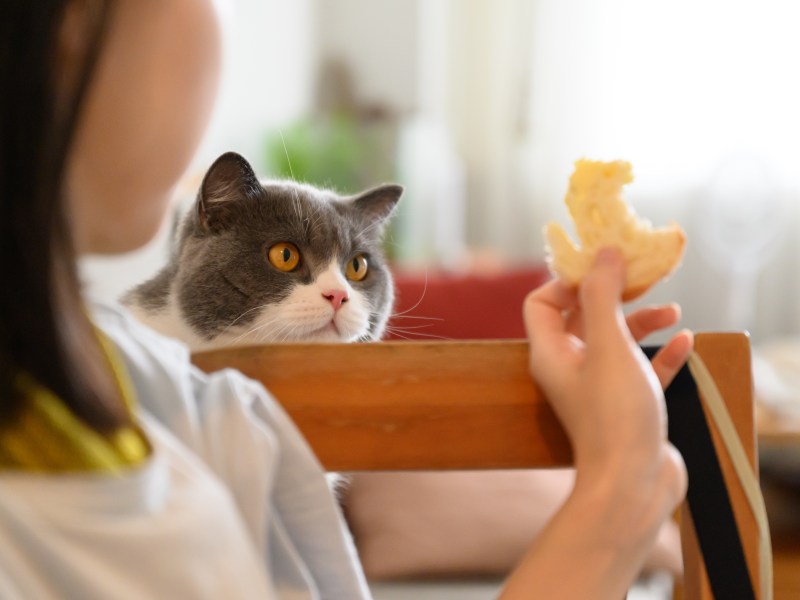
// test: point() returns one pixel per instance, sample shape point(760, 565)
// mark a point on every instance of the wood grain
point(409, 405)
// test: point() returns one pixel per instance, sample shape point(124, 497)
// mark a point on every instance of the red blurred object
point(462, 306)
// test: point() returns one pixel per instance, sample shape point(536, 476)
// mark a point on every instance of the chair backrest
point(466, 405)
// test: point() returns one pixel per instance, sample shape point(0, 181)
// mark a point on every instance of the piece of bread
point(602, 218)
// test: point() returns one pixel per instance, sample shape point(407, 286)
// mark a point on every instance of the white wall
point(379, 42)
point(268, 75)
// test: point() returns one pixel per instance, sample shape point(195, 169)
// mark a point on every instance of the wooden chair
point(466, 405)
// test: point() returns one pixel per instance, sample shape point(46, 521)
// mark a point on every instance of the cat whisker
point(312, 220)
point(424, 290)
point(400, 335)
point(261, 331)
point(265, 335)
point(235, 341)
point(318, 217)
point(241, 316)
point(375, 225)
point(262, 326)
point(291, 172)
point(402, 316)
point(408, 327)
point(283, 331)
point(286, 152)
point(372, 226)
point(297, 208)
point(290, 332)
point(417, 334)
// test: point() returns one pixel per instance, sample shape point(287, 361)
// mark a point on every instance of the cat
point(272, 261)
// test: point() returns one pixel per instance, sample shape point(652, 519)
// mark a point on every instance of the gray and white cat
point(272, 261)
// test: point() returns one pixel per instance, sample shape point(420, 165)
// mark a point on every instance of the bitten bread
point(602, 218)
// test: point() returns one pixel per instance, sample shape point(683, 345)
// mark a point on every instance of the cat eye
point(284, 256)
point(357, 268)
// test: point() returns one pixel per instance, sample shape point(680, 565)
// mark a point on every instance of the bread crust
point(602, 218)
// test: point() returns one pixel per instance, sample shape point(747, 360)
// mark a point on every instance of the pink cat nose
point(336, 297)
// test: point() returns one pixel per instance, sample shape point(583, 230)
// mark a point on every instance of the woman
point(126, 473)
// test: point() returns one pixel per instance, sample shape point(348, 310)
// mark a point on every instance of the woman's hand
point(609, 398)
point(606, 393)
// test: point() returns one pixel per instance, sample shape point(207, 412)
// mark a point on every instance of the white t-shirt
point(231, 504)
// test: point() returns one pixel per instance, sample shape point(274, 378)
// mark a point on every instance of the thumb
point(601, 299)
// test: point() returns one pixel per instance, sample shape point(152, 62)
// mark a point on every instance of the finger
point(555, 294)
point(544, 308)
point(672, 356)
point(544, 311)
point(601, 300)
point(645, 321)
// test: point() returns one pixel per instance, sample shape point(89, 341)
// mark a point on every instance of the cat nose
point(336, 297)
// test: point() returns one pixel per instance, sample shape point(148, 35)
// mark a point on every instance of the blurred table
point(779, 459)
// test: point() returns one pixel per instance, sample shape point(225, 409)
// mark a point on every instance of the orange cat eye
point(284, 256)
point(357, 268)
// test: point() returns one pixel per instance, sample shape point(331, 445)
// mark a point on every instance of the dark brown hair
point(44, 329)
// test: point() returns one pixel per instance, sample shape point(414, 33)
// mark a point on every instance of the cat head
point(273, 261)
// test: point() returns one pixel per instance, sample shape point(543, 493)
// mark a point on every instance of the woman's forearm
point(594, 547)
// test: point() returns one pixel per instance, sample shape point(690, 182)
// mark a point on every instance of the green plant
point(334, 151)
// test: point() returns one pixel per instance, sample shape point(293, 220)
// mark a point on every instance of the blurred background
point(481, 107)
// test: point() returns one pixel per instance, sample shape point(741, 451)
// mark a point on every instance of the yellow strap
point(47, 437)
point(713, 400)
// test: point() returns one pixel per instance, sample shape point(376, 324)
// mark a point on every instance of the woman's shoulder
point(165, 381)
point(127, 332)
point(159, 368)
point(153, 358)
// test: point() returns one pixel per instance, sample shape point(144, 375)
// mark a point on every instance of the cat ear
point(378, 204)
point(229, 179)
